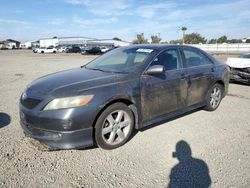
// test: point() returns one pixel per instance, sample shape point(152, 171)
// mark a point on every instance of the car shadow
point(88, 148)
point(96, 147)
point(189, 172)
point(135, 131)
point(161, 123)
point(168, 120)
point(5, 119)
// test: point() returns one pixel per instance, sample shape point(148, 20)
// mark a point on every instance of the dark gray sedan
point(125, 89)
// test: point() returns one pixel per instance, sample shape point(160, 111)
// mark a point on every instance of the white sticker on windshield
point(144, 50)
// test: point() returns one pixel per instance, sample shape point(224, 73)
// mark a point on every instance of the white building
point(9, 44)
point(80, 41)
point(64, 41)
point(49, 42)
point(26, 44)
point(107, 42)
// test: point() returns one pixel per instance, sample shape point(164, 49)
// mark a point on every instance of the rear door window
point(195, 58)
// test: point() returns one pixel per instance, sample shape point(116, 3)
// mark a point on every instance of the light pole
point(183, 32)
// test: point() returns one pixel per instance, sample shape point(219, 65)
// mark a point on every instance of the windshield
point(121, 60)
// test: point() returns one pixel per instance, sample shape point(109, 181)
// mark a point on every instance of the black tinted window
point(195, 58)
point(170, 59)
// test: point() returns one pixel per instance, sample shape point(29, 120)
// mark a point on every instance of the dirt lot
point(220, 139)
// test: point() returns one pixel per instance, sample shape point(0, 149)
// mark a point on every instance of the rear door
point(164, 93)
point(200, 73)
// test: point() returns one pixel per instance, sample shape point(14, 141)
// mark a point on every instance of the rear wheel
point(214, 97)
point(114, 126)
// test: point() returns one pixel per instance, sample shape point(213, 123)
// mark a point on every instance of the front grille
point(30, 102)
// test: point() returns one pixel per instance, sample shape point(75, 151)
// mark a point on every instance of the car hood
point(71, 82)
point(238, 62)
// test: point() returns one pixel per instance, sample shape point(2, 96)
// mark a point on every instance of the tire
point(42, 52)
point(214, 97)
point(54, 52)
point(114, 126)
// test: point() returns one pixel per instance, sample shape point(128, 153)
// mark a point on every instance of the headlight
point(68, 102)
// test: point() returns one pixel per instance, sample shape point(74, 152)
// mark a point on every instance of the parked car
point(240, 68)
point(104, 49)
point(85, 49)
point(62, 49)
point(125, 89)
point(247, 56)
point(74, 49)
point(112, 48)
point(93, 50)
point(50, 49)
point(35, 49)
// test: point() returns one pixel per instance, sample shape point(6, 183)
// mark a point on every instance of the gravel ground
point(220, 139)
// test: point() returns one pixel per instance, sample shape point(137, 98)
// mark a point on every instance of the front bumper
point(59, 129)
point(240, 75)
point(60, 139)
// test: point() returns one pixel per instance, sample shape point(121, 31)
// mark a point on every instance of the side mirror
point(155, 69)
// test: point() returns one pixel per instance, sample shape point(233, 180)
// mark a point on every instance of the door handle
point(212, 69)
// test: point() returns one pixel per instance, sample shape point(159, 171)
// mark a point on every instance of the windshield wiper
point(119, 72)
point(95, 69)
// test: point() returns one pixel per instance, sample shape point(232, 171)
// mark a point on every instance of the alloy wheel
point(215, 97)
point(116, 126)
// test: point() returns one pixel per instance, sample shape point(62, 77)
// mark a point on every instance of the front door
point(167, 92)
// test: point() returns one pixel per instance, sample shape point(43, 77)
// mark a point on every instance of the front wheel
point(114, 126)
point(214, 97)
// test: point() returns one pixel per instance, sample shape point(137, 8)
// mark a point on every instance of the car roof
point(158, 46)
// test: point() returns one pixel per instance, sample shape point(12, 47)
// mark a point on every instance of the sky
point(104, 19)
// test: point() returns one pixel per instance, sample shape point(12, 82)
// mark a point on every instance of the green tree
point(234, 41)
point(212, 41)
point(184, 29)
point(165, 42)
point(248, 41)
point(194, 38)
point(155, 39)
point(222, 39)
point(116, 38)
point(177, 41)
point(140, 39)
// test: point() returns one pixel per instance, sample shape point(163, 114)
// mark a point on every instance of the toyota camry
point(126, 89)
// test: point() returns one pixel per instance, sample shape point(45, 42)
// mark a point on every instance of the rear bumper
point(60, 139)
